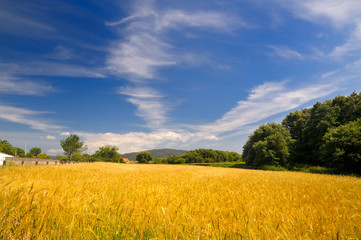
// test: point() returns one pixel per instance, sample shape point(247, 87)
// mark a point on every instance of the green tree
point(144, 157)
point(192, 157)
point(77, 157)
point(108, 153)
point(175, 159)
point(35, 151)
point(72, 145)
point(268, 145)
point(295, 123)
point(322, 117)
point(44, 156)
point(6, 147)
point(20, 152)
point(342, 147)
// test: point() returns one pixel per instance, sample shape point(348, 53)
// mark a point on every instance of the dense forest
point(328, 134)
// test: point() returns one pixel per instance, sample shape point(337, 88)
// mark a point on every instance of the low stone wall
point(33, 161)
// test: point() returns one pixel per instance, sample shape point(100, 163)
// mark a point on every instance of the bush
point(268, 145)
point(144, 157)
point(341, 148)
point(273, 168)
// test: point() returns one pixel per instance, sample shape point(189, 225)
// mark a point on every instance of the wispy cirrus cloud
point(19, 19)
point(17, 86)
point(49, 68)
point(146, 48)
point(28, 117)
point(339, 12)
point(286, 52)
point(264, 101)
point(352, 47)
point(149, 104)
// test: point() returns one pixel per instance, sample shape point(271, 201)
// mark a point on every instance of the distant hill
point(156, 153)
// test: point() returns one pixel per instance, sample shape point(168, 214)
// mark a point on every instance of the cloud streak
point(149, 104)
point(13, 85)
point(146, 49)
point(286, 52)
point(265, 101)
point(28, 117)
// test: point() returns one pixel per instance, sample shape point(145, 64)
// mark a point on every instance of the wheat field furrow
point(119, 201)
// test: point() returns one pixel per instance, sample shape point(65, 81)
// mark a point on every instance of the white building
point(2, 158)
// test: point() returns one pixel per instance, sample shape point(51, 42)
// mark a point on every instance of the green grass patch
point(223, 164)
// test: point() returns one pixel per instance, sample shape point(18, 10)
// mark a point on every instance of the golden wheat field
point(119, 201)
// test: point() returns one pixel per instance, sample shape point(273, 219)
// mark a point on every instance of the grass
point(223, 164)
point(120, 201)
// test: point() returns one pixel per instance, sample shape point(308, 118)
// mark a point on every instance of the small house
point(2, 158)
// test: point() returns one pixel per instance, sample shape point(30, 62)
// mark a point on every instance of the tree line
point(6, 147)
point(328, 134)
point(201, 156)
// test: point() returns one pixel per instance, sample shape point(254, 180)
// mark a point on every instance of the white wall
point(2, 158)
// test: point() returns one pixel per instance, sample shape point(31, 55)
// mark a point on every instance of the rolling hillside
point(156, 153)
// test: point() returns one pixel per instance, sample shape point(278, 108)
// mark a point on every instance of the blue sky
point(169, 74)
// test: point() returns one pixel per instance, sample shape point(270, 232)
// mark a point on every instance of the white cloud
point(139, 56)
point(65, 134)
point(342, 14)
point(144, 50)
point(15, 20)
point(286, 52)
point(339, 12)
point(48, 68)
point(55, 151)
point(149, 104)
point(351, 47)
point(213, 20)
point(265, 101)
point(61, 53)
point(50, 137)
point(14, 85)
point(27, 117)
point(135, 141)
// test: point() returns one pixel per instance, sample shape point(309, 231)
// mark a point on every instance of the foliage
point(107, 153)
point(162, 160)
point(268, 145)
point(43, 156)
point(315, 169)
point(156, 153)
point(341, 148)
point(72, 145)
point(309, 126)
point(35, 151)
point(175, 160)
point(144, 157)
point(273, 168)
point(19, 152)
point(210, 155)
point(77, 157)
point(6, 147)
point(62, 158)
